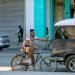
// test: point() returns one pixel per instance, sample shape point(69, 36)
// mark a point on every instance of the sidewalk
point(14, 47)
point(35, 73)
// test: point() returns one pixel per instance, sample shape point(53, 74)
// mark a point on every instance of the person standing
point(20, 34)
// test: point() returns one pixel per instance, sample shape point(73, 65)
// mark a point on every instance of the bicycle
point(47, 63)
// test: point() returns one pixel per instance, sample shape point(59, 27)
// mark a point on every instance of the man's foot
point(32, 68)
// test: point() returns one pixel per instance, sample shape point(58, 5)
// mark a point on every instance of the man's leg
point(18, 39)
point(21, 38)
point(30, 55)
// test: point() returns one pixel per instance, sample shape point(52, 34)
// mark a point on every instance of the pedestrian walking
point(20, 34)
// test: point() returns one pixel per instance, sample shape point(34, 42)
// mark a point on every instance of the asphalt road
point(36, 73)
point(6, 56)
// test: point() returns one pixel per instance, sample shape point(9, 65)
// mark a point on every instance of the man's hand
point(22, 49)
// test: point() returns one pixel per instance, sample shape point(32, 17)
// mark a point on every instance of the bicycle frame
point(38, 57)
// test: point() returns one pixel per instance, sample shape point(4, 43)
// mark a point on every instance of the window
point(71, 32)
point(65, 33)
point(61, 33)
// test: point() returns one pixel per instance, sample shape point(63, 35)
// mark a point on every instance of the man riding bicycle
point(28, 46)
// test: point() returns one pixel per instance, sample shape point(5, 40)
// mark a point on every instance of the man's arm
point(41, 39)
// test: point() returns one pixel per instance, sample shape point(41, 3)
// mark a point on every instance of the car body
point(63, 44)
point(4, 41)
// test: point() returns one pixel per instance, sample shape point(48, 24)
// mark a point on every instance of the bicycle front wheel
point(16, 63)
point(48, 64)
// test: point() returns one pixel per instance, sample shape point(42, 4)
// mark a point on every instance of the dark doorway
point(72, 13)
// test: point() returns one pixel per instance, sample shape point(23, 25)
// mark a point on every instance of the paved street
point(6, 56)
point(36, 73)
point(5, 61)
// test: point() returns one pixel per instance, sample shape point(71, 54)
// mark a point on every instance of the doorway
point(72, 9)
point(59, 10)
point(72, 12)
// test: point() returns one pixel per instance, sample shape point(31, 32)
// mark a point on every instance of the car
point(4, 41)
point(63, 44)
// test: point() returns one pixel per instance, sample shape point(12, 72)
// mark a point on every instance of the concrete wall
point(11, 15)
point(29, 15)
point(59, 11)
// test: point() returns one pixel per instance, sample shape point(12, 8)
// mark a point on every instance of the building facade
point(50, 12)
point(37, 14)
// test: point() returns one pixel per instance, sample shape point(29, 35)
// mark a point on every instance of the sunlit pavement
point(5, 68)
point(34, 73)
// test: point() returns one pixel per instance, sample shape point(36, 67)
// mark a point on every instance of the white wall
point(48, 14)
point(29, 15)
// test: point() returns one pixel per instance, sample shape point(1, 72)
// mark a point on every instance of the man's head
point(19, 26)
point(32, 32)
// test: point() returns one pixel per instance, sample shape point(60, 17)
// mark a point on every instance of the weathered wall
point(11, 15)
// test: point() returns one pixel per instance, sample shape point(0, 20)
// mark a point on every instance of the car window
point(71, 32)
point(61, 33)
point(67, 32)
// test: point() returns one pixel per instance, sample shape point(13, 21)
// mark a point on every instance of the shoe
point(31, 67)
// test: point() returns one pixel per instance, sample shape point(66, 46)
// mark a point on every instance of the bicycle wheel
point(17, 63)
point(48, 64)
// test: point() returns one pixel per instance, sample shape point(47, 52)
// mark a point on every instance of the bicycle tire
point(15, 63)
point(48, 64)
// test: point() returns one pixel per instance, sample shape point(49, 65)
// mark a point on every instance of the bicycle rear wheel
point(17, 63)
point(48, 64)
